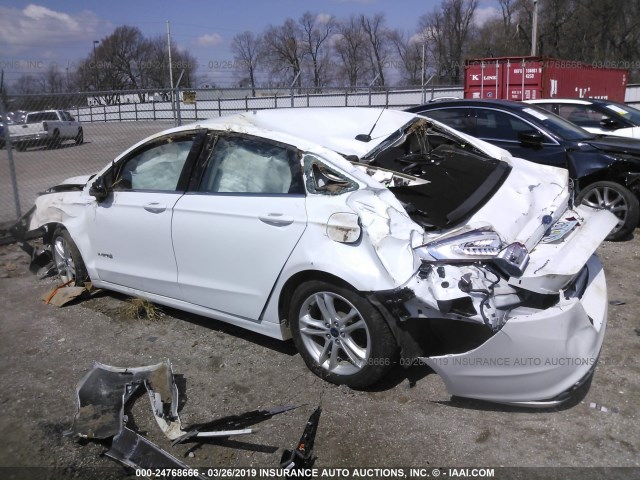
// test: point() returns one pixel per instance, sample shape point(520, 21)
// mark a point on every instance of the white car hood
point(79, 180)
point(629, 132)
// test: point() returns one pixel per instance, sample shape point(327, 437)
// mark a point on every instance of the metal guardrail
point(112, 121)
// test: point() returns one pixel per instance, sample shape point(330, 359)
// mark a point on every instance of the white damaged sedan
point(368, 236)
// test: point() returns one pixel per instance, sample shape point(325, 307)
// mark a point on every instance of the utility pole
point(169, 48)
point(422, 75)
point(534, 29)
point(171, 71)
point(95, 62)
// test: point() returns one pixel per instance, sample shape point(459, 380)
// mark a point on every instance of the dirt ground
point(408, 420)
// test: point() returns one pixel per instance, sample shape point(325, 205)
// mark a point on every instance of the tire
point(67, 258)
point(341, 337)
point(617, 199)
point(79, 137)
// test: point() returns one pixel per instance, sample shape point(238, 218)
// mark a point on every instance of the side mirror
point(531, 139)
point(99, 189)
point(610, 124)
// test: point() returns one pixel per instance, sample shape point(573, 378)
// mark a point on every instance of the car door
point(233, 233)
point(131, 233)
point(504, 129)
point(68, 129)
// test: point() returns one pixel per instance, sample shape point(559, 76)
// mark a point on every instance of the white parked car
point(602, 117)
point(47, 127)
point(300, 223)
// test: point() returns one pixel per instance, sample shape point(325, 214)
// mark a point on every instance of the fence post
point(91, 113)
point(307, 98)
point(178, 111)
point(292, 98)
point(135, 109)
point(369, 96)
point(195, 108)
point(153, 102)
point(104, 107)
point(346, 98)
point(119, 113)
point(12, 166)
point(246, 103)
point(219, 108)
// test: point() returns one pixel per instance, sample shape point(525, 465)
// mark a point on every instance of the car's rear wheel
point(617, 199)
point(67, 258)
point(340, 335)
point(79, 137)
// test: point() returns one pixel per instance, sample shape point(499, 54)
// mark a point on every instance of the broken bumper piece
point(137, 452)
point(104, 390)
point(538, 355)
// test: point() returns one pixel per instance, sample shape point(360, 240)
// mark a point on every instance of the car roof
point(333, 128)
point(338, 128)
point(468, 102)
point(295, 126)
point(576, 101)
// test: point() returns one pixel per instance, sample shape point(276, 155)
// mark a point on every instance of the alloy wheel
point(610, 199)
point(63, 259)
point(334, 333)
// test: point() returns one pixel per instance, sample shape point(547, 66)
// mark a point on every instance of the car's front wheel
point(617, 199)
point(67, 258)
point(340, 335)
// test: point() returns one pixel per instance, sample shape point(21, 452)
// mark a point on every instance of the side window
point(496, 125)
point(157, 167)
point(582, 115)
point(550, 107)
point(247, 165)
point(324, 180)
point(458, 118)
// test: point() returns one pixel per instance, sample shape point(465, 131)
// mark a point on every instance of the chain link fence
point(110, 122)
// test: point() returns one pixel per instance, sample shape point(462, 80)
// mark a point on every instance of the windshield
point(628, 113)
point(557, 125)
point(459, 178)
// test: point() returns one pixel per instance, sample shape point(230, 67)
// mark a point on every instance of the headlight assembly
point(482, 244)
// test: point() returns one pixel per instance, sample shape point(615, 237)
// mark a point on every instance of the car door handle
point(155, 207)
point(276, 219)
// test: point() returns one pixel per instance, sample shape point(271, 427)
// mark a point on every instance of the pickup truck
point(47, 127)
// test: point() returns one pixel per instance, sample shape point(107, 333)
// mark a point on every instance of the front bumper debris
point(537, 355)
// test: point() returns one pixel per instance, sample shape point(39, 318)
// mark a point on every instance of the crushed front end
point(509, 325)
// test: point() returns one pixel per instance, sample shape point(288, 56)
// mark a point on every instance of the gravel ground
point(408, 420)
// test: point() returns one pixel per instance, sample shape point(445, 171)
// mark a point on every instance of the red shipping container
point(528, 78)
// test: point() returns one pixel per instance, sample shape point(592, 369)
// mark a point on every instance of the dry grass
point(140, 308)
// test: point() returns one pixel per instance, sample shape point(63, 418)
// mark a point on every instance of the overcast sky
point(34, 34)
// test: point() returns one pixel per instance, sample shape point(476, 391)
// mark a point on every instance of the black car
point(605, 170)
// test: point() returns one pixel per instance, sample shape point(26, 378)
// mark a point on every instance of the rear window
point(41, 117)
point(459, 184)
point(460, 178)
